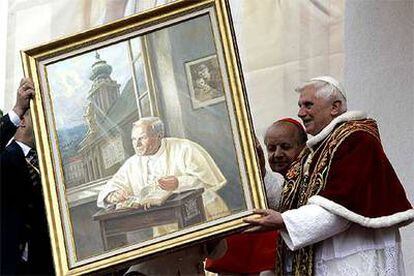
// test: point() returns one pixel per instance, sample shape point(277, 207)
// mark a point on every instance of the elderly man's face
point(144, 140)
point(314, 111)
point(283, 146)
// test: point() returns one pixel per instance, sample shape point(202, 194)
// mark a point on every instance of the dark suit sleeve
point(7, 130)
point(23, 218)
point(11, 206)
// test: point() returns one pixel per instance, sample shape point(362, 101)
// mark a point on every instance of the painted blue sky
point(70, 84)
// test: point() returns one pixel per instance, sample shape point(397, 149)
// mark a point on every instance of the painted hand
point(168, 183)
point(116, 196)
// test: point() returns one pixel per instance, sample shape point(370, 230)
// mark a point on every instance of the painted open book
point(151, 195)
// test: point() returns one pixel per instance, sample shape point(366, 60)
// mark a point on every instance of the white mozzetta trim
point(379, 222)
point(345, 117)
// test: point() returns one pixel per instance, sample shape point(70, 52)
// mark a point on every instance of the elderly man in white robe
point(342, 203)
point(169, 164)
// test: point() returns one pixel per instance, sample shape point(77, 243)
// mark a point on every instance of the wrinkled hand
point(117, 196)
point(268, 220)
point(25, 92)
point(168, 183)
point(260, 155)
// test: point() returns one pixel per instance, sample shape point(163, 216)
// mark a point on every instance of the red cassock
point(247, 253)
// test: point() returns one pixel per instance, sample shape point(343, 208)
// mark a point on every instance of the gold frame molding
point(36, 58)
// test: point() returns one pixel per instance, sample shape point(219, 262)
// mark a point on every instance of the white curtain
point(283, 43)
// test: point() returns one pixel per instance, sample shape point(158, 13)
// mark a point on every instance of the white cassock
point(182, 158)
point(342, 247)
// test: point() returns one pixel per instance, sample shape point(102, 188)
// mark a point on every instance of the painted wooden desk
point(185, 208)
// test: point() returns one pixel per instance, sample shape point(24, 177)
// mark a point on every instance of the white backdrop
point(379, 75)
point(368, 45)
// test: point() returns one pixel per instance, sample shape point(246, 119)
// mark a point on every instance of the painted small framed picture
point(205, 81)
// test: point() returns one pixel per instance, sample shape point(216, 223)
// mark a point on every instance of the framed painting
point(205, 81)
point(134, 161)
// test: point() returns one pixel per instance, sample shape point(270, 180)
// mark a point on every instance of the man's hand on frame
point(268, 220)
point(25, 92)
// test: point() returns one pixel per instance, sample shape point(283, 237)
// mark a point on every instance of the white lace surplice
point(342, 247)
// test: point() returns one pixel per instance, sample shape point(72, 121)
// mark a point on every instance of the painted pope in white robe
point(169, 164)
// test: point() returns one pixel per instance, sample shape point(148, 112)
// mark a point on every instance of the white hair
point(326, 91)
point(157, 126)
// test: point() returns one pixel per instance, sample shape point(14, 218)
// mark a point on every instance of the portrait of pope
point(163, 165)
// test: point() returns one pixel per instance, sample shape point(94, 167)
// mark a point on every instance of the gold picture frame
point(91, 87)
